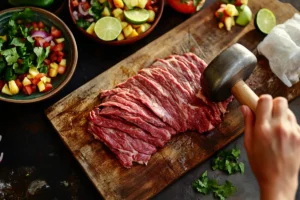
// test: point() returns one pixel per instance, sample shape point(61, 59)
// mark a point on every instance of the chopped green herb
point(82, 23)
point(11, 55)
point(97, 9)
point(25, 14)
point(1, 43)
point(227, 161)
point(41, 54)
point(205, 186)
point(17, 42)
point(9, 74)
point(30, 39)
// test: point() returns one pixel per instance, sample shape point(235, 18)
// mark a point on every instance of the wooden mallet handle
point(245, 95)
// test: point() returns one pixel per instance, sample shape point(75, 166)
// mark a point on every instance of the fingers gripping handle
point(245, 95)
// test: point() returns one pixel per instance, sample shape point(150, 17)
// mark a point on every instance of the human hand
point(272, 142)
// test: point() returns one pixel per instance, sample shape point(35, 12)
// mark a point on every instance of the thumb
point(249, 120)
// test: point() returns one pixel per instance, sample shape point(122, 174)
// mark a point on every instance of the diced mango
point(33, 71)
point(124, 24)
point(221, 25)
point(63, 62)
point(14, 89)
point(121, 37)
point(231, 10)
point(53, 69)
point(134, 33)
point(5, 90)
point(105, 12)
point(118, 3)
point(41, 86)
point(117, 12)
point(127, 30)
point(26, 81)
point(54, 65)
point(151, 16)
point(59, 40)
point(90, 29)
point(4, 38)
point(135, 26)
point(46, 79)
point(141, 29)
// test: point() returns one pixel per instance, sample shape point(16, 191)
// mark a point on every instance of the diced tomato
point(37, 78)
point(75, 3)
point(27, 90)
point(1, 84)
point(85, 6)
point(33, 87)
point(22, 76)
point(20, 61)
point(59, 58)
point(148, 5)
point(61, 69)
point(34, 25)
point(55, 33)
point(39, 41)
point(58, 47)
point(47, 62)
point(46, 44)
point(53, 56)
point(41, 25)
point(220, 14)
point(48, 86)
point(60, 53)
point(155, 8)
point(19, 84)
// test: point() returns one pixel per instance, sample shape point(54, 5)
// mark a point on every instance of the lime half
point(108, 28)
point(265, 20)
point(136, 16)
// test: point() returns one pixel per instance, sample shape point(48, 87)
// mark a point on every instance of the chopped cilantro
point(204, 185)
point(82, 23)
point(11, 55)
point(17, 42)
point(9, 74)
point(1, 43)
point(41, 54)
point(30, 39)
point(227, 161)
point(97, 9)
point(43, 69)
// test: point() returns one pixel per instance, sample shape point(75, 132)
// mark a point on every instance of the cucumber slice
point(136, 16)
point(128, 4)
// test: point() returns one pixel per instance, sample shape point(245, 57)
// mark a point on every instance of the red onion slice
point(81, 11)
point(48, 39)
point(41, 34)
point(52, 43)
point(75, 15)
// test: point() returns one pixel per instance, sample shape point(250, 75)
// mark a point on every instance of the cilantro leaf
point(9, 74)
point(82, 23)
point(25, 14)
point(97, 9)
point(227, 161)
point(1, 43)
point(205, 185)
point(30, 39)
point(2, 65)
point(17, 42)
point(41, 54)
point(201, 184)
point(11, 55)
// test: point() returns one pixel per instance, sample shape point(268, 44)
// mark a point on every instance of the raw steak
point(142, 113)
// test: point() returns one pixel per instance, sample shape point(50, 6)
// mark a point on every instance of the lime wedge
point(136, 16)
point(108, 28)
point(265, 20)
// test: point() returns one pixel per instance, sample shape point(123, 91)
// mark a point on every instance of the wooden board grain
point(198, 34)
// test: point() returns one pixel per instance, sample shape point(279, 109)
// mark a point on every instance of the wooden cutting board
point(198, 34)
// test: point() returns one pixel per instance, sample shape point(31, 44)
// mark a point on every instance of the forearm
point(278, 192)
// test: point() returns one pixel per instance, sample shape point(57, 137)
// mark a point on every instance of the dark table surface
point(36, 163)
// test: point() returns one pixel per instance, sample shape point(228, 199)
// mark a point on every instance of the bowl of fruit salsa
point(116, 22)
point(38, 55)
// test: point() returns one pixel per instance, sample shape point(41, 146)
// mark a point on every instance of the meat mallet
point(225, 75)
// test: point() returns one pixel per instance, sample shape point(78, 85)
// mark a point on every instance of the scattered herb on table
point(205, 185)
point(227, 161)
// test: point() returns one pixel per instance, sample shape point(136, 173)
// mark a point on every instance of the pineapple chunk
point(135, 26)
point(141, 29)
point(14, 89)
point(142, 3)
point(231, 10)
point(151, 16)
point(147, 26)
point(33, 71)
point(90, 29)
point(4, 38)
point(5, 90)
point(124, 24)
point(29, 76)
point(41, 86)
point(229, 22)
point(134, 3)
point(117, 12)
point(221, 25)
point(121, 37)
point(54, 65)
point(26, 81)
point(102, 1)
point(127, 31)
point(133, 34)
point(46, 79)
point(63, 62)
point(118, 3)
point(121, 18)
point(53, 69)
point(105, 12)
point(59, 40)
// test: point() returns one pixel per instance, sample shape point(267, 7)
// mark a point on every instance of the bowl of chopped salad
point(38, 55)
point(116, 22)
